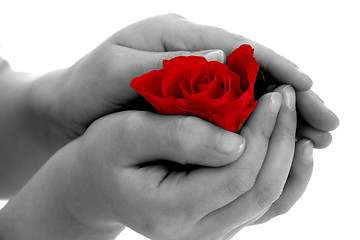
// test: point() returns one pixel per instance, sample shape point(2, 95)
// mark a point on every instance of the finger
point(174, 33)
point(181, 139)
point(312, 110)
point(297, 182)
point(207, 189)
point(320, 138)
point(275, 170)
point(273, 174)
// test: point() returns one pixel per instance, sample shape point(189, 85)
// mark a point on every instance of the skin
point(94, 192)
point(48, 114)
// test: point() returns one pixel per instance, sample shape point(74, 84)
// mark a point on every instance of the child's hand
point(121, 172)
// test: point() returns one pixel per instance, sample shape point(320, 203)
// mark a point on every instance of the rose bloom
point(221, 94)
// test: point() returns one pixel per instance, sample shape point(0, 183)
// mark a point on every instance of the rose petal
point(239, 61)
point(195, 79)
point(235, 83)
point(150, 82)
point(170, 86)
point(192, 63)
point(221, 94)
point(229, 97)
point(252, 69)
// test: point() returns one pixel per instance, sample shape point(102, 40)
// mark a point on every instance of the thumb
point(125, 64)
point(181, 139)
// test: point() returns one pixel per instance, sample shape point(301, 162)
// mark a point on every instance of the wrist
point(53, 205)
point(44, 102)
point(26, 149)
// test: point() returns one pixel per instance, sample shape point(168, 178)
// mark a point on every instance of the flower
point(222, 94)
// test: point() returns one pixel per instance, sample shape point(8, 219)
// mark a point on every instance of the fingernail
point(215, 55)
point(289, 97)
point(230, 143)
point(275, 102)
point(308, 151)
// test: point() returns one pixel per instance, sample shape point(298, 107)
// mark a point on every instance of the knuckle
point(165, 227)
point(240, 183)
point(287, 132)
point(160, 61)
point(158, 229)
point(264, 133)
point(155, 228)
point(237, 40)
point(267, 65)
point(237, 37)
point(267, 196)
point(192, 138)
point(172, 16)
point(131, 119)
point(180, 132)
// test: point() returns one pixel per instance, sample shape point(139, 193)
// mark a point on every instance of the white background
point(319, 36)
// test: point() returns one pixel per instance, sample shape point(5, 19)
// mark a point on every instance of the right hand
point(122, 171)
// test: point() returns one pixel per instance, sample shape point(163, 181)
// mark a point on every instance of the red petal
point(242, 62)
point(149, 82)
point(209, 90)
point(170, 86)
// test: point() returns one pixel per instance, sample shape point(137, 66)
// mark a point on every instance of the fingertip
point(315, 112)
point(289, 97)
point(308, 150)
point(324, 141)
point(335, 121)
point(230, 144)
point(320, 139)
point(275, 100)
point(306, 82)
point(329, 121)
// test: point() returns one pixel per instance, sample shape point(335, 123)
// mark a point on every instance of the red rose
point(222, 94)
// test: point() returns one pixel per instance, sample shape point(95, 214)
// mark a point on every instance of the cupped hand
point(99, 83)
point(175, 33)
point(179, 177)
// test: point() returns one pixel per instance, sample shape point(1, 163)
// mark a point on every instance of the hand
point(175, 177)
point(175, 33)
point(167, 177)
point(296, 183)
point(61, 105)
point(206, 201)
point(99, 83)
